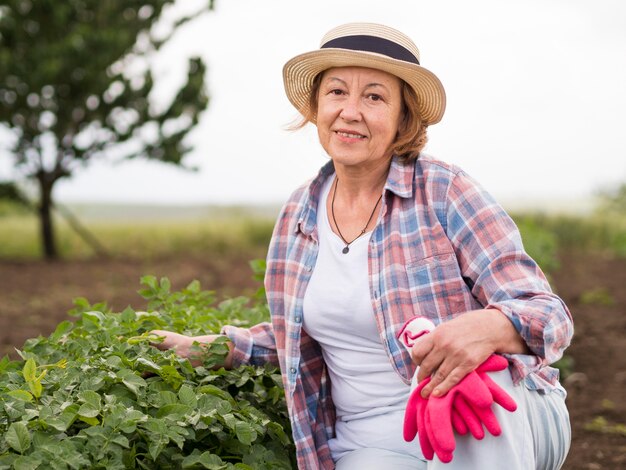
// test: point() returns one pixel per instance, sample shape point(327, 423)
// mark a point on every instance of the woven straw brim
point(299, 73)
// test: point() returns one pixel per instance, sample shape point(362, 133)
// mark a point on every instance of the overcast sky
point(536, 98)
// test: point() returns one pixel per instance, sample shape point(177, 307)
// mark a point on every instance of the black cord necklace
point(346, 248)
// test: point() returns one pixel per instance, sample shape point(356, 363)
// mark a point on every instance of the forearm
point(505, 337)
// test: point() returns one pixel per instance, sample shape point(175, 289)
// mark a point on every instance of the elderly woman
point(385, 234)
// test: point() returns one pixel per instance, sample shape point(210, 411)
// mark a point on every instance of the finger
point(458, 423)
point(429, 364)
point(421, 348)
point(436, 379)
point(410, 427)
point(468, 416)
point(434, 428)
point(454, 377)
point(498, 393)
point(489, 420)
point(439, 411)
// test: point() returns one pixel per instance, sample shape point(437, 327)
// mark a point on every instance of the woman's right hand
point(183, 346)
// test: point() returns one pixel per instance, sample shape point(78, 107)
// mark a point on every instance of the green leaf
point(21, 395)
point(87, 410)
point(245, 433)
point(156, 446)
point(26, 462)
point(61, 329)
point(149, 281)
point(94, 317)
point(213, 390)
point(165, 284)
point(206, 459)
point(131, 380)
point(147, 364)
point(89, 420)
point(167, 398)
point(187, 396)
point(30, 370)
point(18, 437)
point(89, 397)
point(35, 388)
point(171, 376)
point(121, 440)
point(173, 411)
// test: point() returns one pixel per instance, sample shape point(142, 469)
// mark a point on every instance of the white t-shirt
point(368, 394)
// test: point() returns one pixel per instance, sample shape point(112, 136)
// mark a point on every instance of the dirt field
point(35, 296)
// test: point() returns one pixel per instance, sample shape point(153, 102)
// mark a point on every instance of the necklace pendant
point(345, 249)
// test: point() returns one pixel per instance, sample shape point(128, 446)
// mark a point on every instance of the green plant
point(597, 296)
point(97, 394)
point(601, 425)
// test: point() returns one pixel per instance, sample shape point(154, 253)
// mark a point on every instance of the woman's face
point(358, 114)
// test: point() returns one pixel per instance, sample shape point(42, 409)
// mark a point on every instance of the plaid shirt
point(442, 247)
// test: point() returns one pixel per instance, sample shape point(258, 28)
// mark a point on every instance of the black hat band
point(373, 44)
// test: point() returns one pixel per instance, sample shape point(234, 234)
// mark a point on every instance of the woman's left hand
point(457, 347)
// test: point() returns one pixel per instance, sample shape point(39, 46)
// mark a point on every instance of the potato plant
point(96, 394)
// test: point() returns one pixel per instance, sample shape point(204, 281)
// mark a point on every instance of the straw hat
point(366, 45)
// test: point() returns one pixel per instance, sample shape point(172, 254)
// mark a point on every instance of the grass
point(599, 232)
point(19, 237)
point(238, 229)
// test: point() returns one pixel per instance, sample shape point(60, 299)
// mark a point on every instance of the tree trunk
point(46, 181)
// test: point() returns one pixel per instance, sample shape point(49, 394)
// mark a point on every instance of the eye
point(375, 97)
point(336, 92)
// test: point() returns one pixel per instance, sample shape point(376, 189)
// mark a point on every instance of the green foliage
point(597, 296)
point(97, 394)
point(601, 425)
point(539, 243)
point(601, 232)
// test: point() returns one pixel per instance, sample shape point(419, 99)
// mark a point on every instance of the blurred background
point(150, 138)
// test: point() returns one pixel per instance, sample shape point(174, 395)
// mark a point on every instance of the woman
point(383, 234)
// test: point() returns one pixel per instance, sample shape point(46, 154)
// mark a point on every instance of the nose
point(351, 110)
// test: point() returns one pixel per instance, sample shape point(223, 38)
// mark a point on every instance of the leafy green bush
point(96, 394)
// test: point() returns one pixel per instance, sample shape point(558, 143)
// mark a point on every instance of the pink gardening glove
point(471, 390)
point(474, 417)
point(414, 420)
point(467, 407)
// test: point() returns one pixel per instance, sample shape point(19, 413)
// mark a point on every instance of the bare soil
point(35, 296)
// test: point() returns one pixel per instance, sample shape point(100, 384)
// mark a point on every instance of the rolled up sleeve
point(252, 346)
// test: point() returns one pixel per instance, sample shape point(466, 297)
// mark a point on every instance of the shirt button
point(298, 319)
point(292, 370)
point(308, 268)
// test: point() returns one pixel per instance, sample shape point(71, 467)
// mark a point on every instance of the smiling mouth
point(349, 135)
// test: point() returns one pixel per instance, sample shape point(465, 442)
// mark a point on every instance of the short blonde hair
point(412, 133)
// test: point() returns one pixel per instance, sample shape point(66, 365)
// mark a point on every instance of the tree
point(75, 85)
